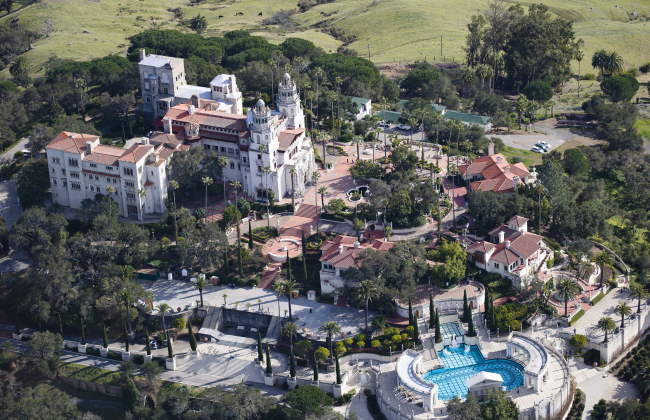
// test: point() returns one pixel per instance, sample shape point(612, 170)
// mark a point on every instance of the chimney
point(167, 125)
point(195, 101)
point(357, 244)
point(143, 54)
point(502, 236)
point(90, 145)
point(507, 244)
point(490, 148)
point(190, 109)
point(340, 249)
point(145, 140)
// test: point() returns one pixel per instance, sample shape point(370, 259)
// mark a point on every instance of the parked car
point(383, 124)
point(537, 149)
point(404, 127)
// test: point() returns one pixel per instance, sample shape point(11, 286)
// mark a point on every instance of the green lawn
point(528, 157)
point(643, 127)
point(393, 31)
point(88, 373)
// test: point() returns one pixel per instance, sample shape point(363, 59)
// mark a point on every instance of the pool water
point(450, 329)
point(460, 366)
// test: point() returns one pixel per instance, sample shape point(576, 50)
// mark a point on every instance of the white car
point(404, 127)
point(383, 124)
point(537, 149)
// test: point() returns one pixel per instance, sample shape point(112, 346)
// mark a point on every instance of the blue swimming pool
point(460, 366)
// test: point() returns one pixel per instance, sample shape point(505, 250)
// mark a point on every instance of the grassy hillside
point(403, 30)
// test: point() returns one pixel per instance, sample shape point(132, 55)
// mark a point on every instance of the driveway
point(9, 153)
point(545, 131)
point(10, 208)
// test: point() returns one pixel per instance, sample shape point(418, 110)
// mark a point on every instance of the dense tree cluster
point(515, 48)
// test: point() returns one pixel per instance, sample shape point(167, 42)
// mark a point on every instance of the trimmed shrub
point(179, 323)
point(578, 406)
point(114, 355)
point(138, 359)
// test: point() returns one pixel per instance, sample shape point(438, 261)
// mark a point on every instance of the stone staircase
point(271, 271)
point(308, 211)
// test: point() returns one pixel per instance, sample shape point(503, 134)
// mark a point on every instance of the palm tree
point(292, 172)
point(613, 63)
point(173, 185)
point(163, 308)
point(567, 289)
point(599, 61)
point(319, 74)
point(200, 284)
point(236, 185)
point(637, 291)
point(603, 259)
point(207, 181)
point(286, 288)
point(623, 310)
point(330, 328)
point(322, 191)
point(357, 140)
point(605, 324)
point(412, 122)
point(367, 291)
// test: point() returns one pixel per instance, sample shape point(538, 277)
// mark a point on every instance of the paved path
point(9, 153)
point(359, 406)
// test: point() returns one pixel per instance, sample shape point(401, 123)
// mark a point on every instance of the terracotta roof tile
point(287, 137)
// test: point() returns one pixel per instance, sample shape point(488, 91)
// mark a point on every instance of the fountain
point(445, 351)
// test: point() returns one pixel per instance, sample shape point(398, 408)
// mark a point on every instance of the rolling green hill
point(392, 30)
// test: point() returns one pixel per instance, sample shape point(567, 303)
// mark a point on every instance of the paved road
point(9, 154)
point(10, 208)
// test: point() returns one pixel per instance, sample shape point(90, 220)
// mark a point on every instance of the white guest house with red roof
point(494, 173)
point(512, 252)
point(135, 176)
point(341, 253)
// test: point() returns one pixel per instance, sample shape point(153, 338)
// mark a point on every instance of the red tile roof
point(287, 137)
point(136, 152)
point(71, 142)
point(342, 251)
point(206, 117)
point(496, 173)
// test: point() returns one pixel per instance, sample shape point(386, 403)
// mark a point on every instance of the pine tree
point(437, 326)
point(338, 370)
point(432, 315)
point(465, 307)
point(260, 354)
point(269, 370)
point(191, 334)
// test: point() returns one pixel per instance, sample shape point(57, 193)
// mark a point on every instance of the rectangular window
point(129, 184)
point(93, 165)
point(54, 182)
point(74, 175)
point(109, 168)
point(128, 171)
point(232, 165)
point(73, 162)
point(75, 186)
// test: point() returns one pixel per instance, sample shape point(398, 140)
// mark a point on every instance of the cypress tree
point(437, 332)
point(314, 366)
point(465, 307)
point(192, 338)
point(338, 369)
point(250, 235)
point(260, 354)
point(126, 337)
point(292, 363)
point(146, 341)
point(432, 315)
point(269, 370)
point(83, 330)
point(170, 350)
point(410, 312)
point(104, 336)
point(288, 266)
point(471, 332)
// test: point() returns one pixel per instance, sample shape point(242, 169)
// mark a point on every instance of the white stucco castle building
point(264, 149)
point(135, 176)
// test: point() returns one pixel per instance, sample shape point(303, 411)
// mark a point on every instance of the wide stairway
point(271, 272)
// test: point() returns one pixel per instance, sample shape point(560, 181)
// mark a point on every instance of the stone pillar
point(170, 363)
point(429, 401)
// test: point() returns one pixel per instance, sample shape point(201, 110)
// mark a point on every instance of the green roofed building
point(469, 119)
point(389, 116)
point(363, 105)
